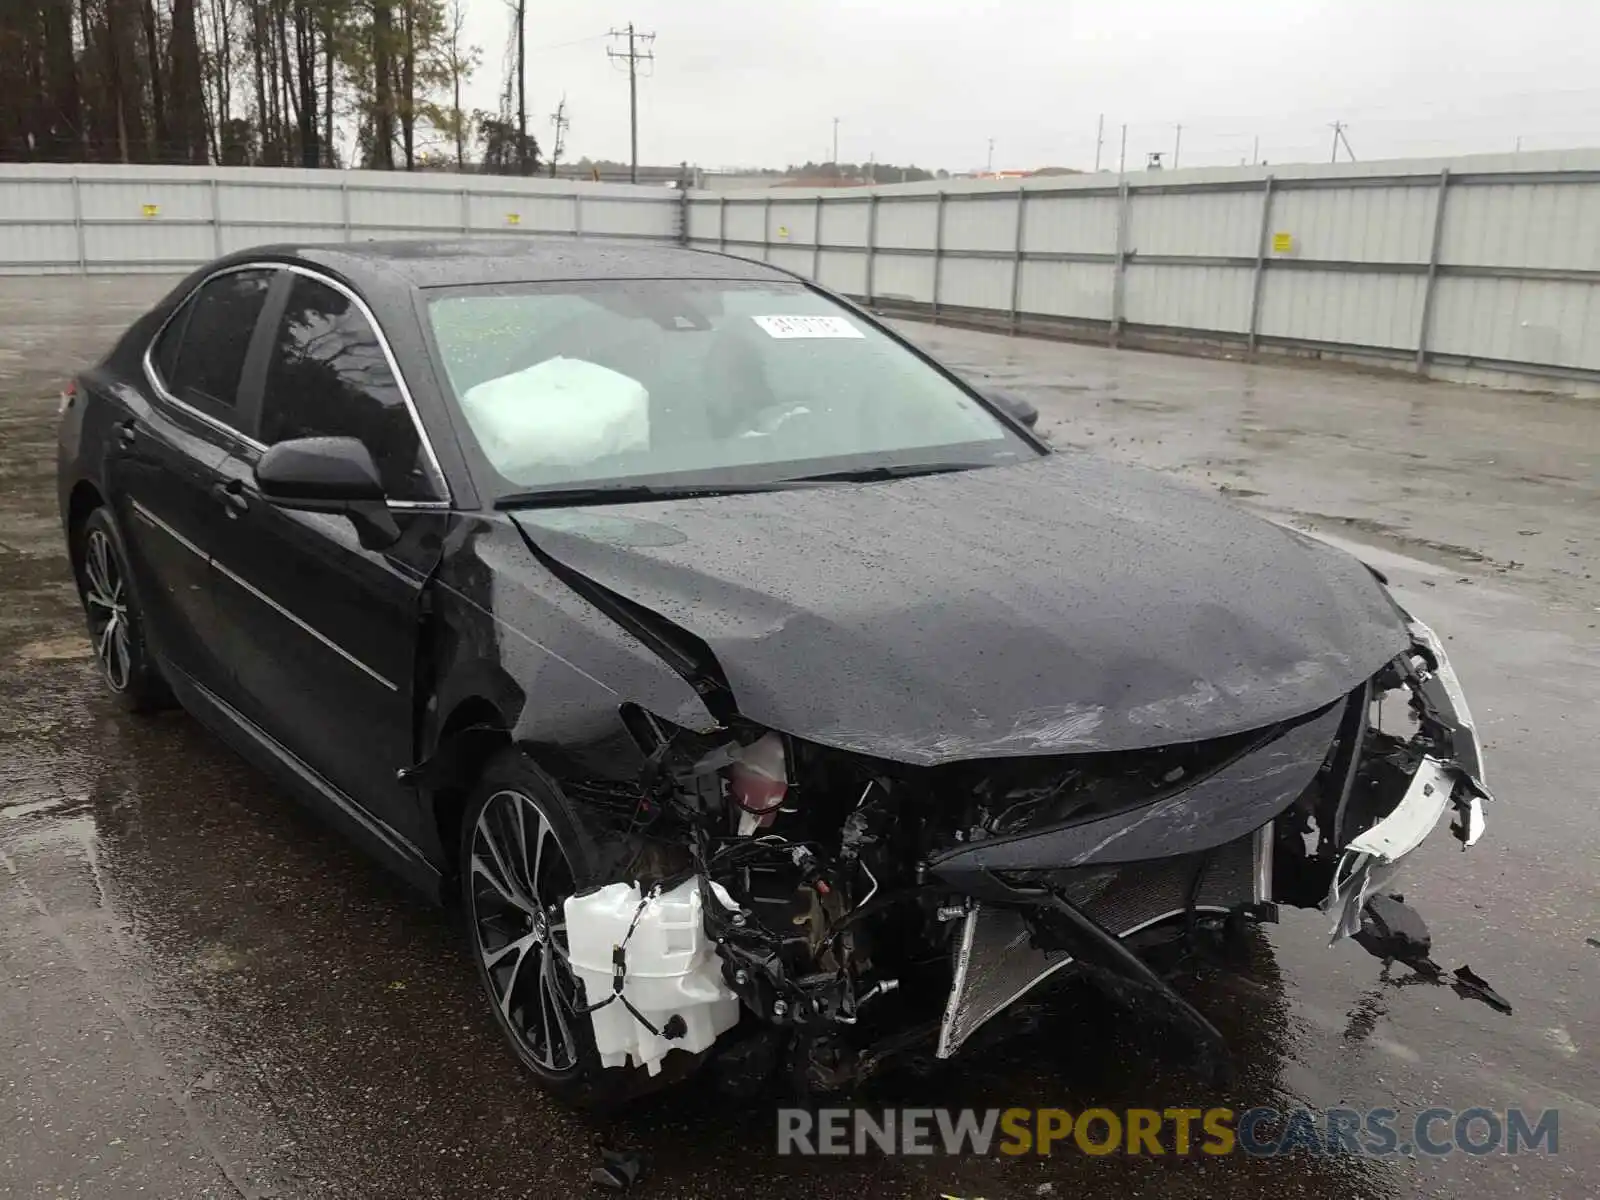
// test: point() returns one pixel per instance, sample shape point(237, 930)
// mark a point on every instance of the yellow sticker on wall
point(783, 231)
point(151, 210)
point(1283, 243)
point(513, 218)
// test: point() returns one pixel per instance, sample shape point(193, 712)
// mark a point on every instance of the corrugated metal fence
point(1483, 268)
point(99, 219)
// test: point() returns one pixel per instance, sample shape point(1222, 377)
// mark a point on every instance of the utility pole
point(1099, 139)
point(1338, 137)
point(835, 159)
point(989, 168)
point(1122, 157)
point(559, 120)
point(633, 56)
point(1176, 146)
point(522, 85)
point(1255, 150)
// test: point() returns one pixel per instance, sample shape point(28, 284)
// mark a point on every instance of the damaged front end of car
point(858, 909)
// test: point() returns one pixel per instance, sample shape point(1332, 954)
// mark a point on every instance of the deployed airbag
point(562, 412)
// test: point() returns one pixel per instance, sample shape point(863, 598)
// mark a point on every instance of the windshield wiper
point(628, 493)
point(897, 471)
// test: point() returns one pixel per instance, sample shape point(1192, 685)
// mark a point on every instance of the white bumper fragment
point(1372, 857)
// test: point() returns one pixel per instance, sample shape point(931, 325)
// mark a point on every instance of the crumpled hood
point(1058, 606)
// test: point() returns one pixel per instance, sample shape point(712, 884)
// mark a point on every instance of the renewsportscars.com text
point(1262, 1132)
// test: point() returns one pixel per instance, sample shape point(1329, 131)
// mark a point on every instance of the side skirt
point(258, 747)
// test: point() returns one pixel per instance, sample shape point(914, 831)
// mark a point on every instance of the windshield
point(689, 382)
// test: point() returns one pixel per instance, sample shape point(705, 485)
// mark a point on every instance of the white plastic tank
point(673, 969)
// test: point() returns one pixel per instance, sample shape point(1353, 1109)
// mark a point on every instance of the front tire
point(522, 854)
point(116, 627)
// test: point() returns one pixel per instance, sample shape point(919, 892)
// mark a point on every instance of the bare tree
point(125, 87)
point(217, 63)
point(187, 117)
point(453, 65)
point(235, 81)
point(159, 145)
point(383, 110)
point(258, 47)
point(408, 82)
point(64, 133)
point(331, 27)
point(305, 50)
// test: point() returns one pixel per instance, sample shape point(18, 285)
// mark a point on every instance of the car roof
point(458, 262)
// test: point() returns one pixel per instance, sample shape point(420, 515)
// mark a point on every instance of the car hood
point(1058, 606)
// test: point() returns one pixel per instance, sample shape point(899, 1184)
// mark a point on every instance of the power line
point(593, 37)
point(633, 56)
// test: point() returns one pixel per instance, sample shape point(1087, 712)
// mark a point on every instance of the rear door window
point(327, 376)
point(199, 357)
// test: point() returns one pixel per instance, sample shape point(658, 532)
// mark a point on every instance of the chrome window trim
point(158, 385)
point(144, 513)
point(440, 483)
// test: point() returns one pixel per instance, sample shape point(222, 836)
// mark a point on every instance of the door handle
point(127, 434)
point(231, 496)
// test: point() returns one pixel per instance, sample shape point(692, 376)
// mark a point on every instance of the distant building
point(1036, 174)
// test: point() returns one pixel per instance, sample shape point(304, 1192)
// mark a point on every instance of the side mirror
point(331, 475)
point(1019, 408)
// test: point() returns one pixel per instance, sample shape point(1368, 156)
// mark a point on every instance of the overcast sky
point(756, 83)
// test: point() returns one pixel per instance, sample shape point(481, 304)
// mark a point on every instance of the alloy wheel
point(520, 878)
point(106, 601)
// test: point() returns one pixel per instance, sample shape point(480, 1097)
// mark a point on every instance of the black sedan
point(764, 694)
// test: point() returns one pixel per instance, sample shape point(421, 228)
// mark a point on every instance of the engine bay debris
point(796, 908)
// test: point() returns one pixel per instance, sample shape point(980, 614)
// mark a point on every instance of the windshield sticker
point(808, 327)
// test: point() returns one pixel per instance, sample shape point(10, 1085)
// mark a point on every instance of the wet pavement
point(205, 993)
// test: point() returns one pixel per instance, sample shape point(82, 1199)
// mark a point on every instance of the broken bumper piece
point(1007, 946)
point(1000, 956)
point(1372, 857)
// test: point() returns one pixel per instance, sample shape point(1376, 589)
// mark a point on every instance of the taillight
point(68, 393)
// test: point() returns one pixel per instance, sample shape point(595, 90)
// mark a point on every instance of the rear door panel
point(163, 459)
point(161, 470)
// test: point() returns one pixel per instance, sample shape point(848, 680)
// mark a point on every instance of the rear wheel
point(116, 627)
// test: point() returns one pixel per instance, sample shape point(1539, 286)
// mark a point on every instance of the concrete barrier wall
point(1485, 269)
